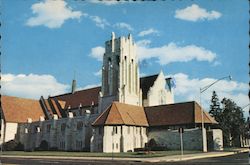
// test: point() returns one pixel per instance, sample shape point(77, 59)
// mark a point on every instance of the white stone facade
point(118, 138)
point(159, 94)
point(9, 131)
point(215, 139)
point(120, 73)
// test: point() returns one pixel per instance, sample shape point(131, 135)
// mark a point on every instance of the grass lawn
point(96, 154)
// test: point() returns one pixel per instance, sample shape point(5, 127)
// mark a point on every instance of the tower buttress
point(120, 72)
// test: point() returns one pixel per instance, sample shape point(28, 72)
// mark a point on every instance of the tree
point(215, 110)
point(230, 118)
point(232, 123)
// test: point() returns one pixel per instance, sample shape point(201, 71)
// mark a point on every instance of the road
point(238, 159)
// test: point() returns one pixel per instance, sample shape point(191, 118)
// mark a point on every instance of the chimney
point(73, 86)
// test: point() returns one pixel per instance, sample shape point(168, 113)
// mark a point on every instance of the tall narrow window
point(115, 130)
point(132, 76)
point(109, 74)
point(136, 75)
point(126, 69)
point(129, 78)
point(48, 127)
point(63, 127)
point(79, 125)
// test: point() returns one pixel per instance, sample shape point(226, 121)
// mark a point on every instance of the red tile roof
point(176, 114)
point(83, 97)
point(122, 114)
point(18, 110)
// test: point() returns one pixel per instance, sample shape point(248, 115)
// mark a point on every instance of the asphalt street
point(237, 159)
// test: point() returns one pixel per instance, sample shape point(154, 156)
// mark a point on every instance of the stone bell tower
point(120, 73)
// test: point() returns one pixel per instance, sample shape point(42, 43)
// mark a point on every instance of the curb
point(151, 160)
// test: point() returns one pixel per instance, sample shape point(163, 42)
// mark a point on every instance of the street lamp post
point(202, 114)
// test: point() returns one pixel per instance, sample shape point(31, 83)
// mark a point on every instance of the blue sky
point(45, 42)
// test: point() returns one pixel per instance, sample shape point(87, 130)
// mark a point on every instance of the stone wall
point(192, 138)
point(72, 133)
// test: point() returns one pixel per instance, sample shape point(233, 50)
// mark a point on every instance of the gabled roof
point(206, 117)
point(146, 83)
point(18, 110)
point(176, 114)
point(87, 96)
point(84, 97)
point(122, 114)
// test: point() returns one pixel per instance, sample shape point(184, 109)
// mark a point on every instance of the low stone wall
point(192, 138)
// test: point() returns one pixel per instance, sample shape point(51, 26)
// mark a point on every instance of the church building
point(125, 113)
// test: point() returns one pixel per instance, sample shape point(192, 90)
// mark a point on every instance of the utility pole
point(204, 145)
point(181, 131)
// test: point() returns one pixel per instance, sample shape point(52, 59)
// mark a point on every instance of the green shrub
point(13, 145)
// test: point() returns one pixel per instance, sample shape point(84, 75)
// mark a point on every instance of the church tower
point(120, 72)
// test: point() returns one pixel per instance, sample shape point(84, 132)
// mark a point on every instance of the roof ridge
point(171, 104)
point(20, 98)
point(150, 75)
point(75, 92)
point(100, 115)
point(209, 117)
point(119, 113)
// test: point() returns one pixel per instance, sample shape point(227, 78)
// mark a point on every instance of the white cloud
point(100, 22)
point(187, 89)
point(32, 85)
point(148, 32)
point(52, 14)
point(122, 25)
point(143, 43)
point(195, 13)
point(98, 73)
point(97, 52)
point(174, 53)
point(107, 2)
point(216, 63)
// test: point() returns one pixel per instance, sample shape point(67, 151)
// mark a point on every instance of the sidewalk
point(154, 159)
point(195, 156)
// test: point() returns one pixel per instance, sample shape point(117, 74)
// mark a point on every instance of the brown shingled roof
point(122, 114)
point(83, 97)
point(176, 114)
point(207, 118)
point(86, 96)
point(18, 110)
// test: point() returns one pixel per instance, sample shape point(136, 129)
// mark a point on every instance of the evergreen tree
point(232, 123)
point(215, 110)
